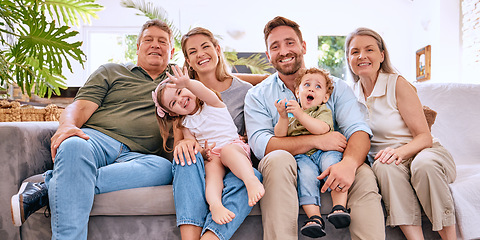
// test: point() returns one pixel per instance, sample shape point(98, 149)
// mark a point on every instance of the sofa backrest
point(458, 116)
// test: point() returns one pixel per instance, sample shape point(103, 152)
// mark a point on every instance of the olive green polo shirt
point(126, 110)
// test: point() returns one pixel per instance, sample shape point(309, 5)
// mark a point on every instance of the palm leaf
point(5, 71)
point(47, 81)
point(152, 11)
point(40, 48)
point(44, 41)
point(256, 63)
point(69, 11)
point(9, 16)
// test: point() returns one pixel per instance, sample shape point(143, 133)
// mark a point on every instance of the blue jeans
point(191, 206)
point(308, 169)
point(84, 168)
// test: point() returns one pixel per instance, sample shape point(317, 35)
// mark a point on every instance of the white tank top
point(383, 117)
point(212, 124)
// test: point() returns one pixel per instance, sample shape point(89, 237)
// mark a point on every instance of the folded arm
point(332, 141)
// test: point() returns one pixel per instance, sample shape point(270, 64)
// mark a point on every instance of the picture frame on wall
point(423, 66)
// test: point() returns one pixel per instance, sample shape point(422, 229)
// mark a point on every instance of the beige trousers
point(280, 206)
point(421, 181)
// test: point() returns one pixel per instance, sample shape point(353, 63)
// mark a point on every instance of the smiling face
point(201, 53)
point(312, 90)
point(154, 50)
point(179, 101)
point(364, 56)
point(285, 50)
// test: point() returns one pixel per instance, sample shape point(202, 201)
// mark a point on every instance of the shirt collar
point(380, 88)
point(280, 83)
point(130, 66)
point(378, 91)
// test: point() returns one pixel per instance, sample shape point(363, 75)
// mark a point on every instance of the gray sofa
point(142, 213)
point(148, 213)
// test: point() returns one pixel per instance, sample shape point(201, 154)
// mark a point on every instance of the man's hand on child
point(331, 141)
point(340, 176)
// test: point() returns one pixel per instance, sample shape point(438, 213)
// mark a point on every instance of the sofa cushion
point(137, 201)
point(456, 127)
point(152, 201)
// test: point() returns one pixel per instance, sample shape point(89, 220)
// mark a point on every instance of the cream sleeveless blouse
point(383, 117)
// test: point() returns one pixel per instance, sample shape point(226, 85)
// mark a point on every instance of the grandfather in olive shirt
point(108, 138)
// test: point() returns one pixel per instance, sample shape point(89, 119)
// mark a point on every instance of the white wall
point(406, 25)
point(438, 25)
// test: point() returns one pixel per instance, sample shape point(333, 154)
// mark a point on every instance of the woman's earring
point(190, 68)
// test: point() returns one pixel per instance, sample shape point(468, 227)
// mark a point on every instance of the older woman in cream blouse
point(413, 170)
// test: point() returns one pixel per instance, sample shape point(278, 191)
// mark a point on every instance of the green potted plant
point(36, 42)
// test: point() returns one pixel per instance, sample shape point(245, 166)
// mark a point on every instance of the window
point(332, 55)
point(114, 45)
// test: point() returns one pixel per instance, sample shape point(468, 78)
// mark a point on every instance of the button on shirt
point(261, 115)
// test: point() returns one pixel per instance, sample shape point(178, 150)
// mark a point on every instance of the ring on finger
point(338, 186)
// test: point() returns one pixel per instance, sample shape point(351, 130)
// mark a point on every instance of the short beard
point(290, 70)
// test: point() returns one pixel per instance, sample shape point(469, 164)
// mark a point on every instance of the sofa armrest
point(24, 151)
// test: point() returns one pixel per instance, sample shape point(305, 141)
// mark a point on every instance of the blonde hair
point(328, 80)
point(385, 66)
point(222, 71)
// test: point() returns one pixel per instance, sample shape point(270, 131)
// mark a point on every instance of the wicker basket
point(14, 112)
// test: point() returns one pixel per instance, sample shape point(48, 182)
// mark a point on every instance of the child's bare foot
point(255, 190)
point(221, 214)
